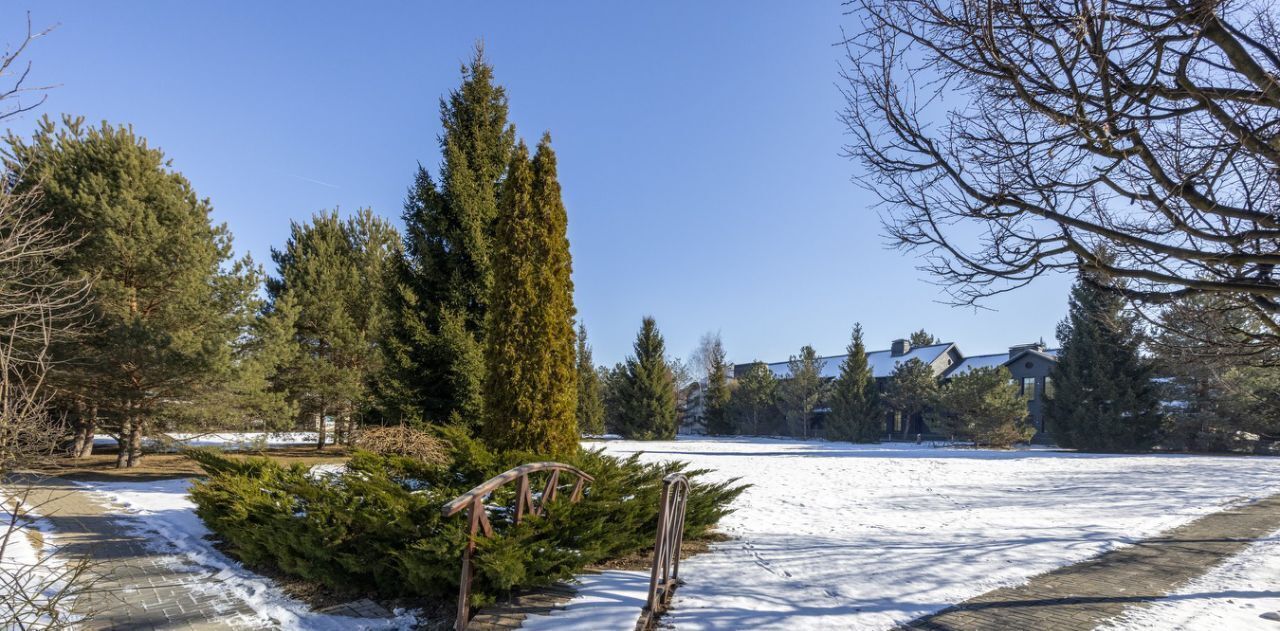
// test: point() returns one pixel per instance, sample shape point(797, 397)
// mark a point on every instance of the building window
point(1029, 387)
point(1048, 387)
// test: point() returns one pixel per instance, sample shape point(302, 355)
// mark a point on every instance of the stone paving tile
point(1087, 594)
point(141, 588)
point(510, 614)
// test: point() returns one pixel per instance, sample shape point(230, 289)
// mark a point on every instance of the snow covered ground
point(231, 441)
point(31, 565)
point(608, 600)
point(840, 536)
point(162, 511)
point(1234, 595)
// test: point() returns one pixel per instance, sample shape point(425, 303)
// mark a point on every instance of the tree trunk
point(135, 443)
point(78, 445)
point(122, 444)
point(90, 428)
point(320, 430)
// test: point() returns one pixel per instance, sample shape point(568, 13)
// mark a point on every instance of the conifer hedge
point(376, 526)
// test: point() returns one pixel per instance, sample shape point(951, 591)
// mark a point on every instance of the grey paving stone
point(1082, 596)
point(140, 588)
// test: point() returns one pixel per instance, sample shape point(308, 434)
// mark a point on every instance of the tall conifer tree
point(716, 396)
point(590, 391)
point(434, 352)
point(855, 400)
point(647, 396)
point(1103, 397)
point(531, 386)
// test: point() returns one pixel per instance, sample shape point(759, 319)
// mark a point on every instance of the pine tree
point(804, 390)
point(1104, 398)
point(982, 405)
point(855, 400)
point(249, 398)
point(922, 338)
point(647, 397)
point(911, 388)
point(434, 353)
point(531, 389)
point(331, 275)
point(591, 411)
point(715, 397)
point(168, 302)
point(755, 400)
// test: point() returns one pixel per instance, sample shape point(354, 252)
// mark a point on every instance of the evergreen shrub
point(376, 526)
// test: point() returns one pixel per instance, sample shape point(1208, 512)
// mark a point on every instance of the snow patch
point(608, 600)
point(230, 441)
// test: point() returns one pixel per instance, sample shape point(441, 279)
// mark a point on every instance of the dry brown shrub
point(402, 441)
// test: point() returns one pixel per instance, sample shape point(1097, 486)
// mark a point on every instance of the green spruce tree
point(439, 304)
point(647, 395)
point(1103, 395)
point(531, 389)
point(855, 400)
point(591, 410)
point(716, 395)
point(612, 384)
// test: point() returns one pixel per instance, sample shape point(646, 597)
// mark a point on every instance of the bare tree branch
point(1009, 139)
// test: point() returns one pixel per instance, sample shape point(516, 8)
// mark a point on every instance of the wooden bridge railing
point(665, 575)
point(473, 502)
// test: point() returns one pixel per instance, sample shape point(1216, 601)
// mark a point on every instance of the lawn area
point(101, 466)
point(840, 536)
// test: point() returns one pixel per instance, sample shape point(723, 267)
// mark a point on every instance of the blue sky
point(698, 146)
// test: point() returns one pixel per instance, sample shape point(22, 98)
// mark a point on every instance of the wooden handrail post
point(664, 577)
point(478, 520)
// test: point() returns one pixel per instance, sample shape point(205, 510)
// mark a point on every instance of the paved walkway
point(138, 587)
point(1084, 595)
point(141, 587)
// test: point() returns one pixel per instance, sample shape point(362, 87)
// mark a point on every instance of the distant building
point(1029, 365)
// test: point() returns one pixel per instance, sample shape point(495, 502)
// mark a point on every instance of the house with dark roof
point(1028, 364)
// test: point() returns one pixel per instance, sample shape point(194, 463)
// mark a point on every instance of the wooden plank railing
point(526, 504)
point(665, 575)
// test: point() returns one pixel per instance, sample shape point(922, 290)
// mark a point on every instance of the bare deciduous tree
point(16, 93)
point(38, 306)
point(1012, 139)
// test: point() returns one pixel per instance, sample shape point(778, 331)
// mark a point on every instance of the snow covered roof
point(999, 359)
point(882, 363)
point(980, 361)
